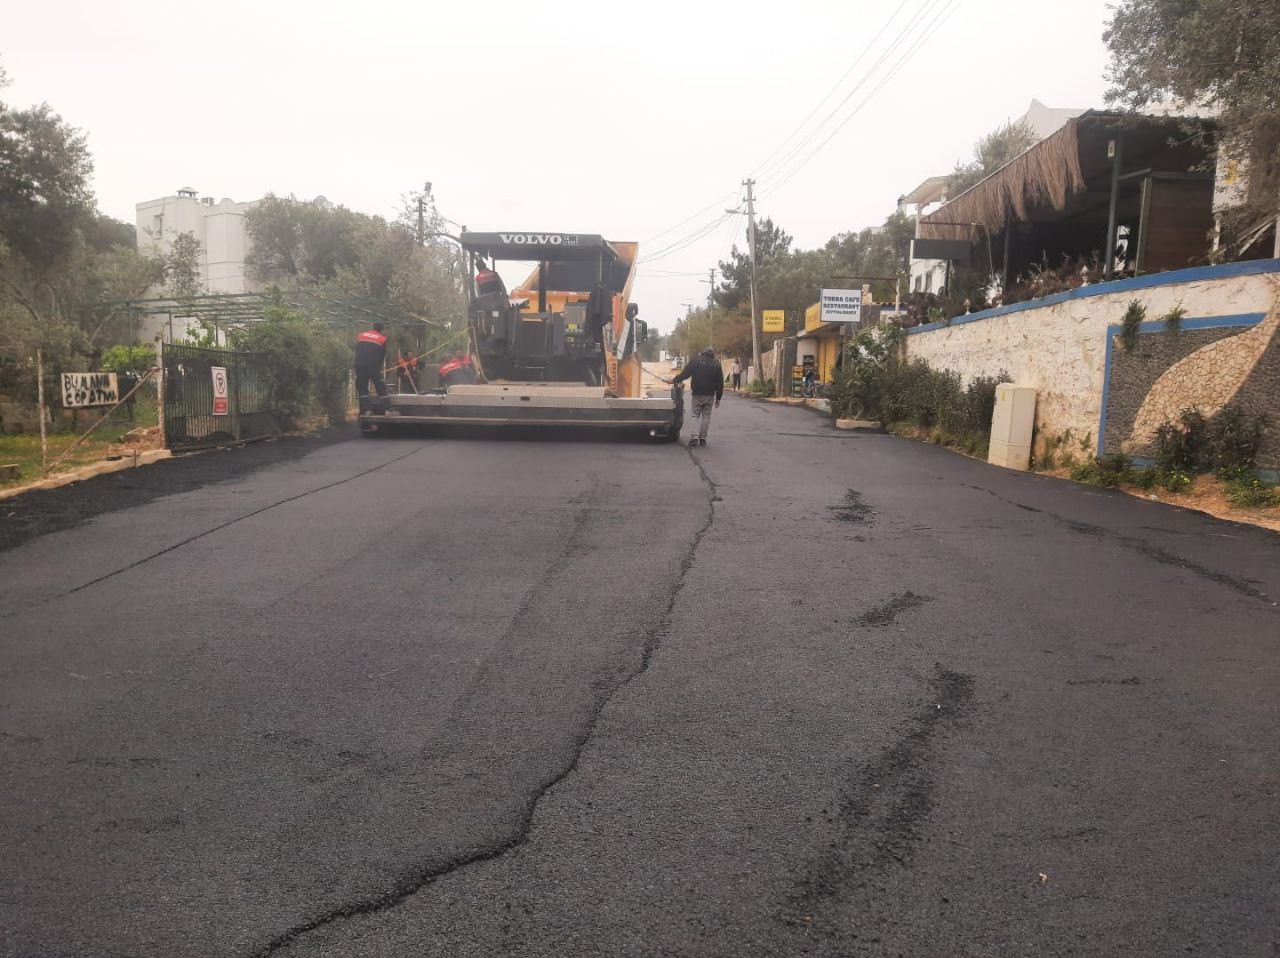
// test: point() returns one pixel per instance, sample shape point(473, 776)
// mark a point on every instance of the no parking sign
point(219, 390)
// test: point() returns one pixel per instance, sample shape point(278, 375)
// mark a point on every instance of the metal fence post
point(161, 382)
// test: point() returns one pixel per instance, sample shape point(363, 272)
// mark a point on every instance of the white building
point(218, 226)
point(929, 275)
point(1046, 120)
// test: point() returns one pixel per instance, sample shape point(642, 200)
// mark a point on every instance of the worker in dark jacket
point(458, 371)
point(707, 386)
point(371, 353)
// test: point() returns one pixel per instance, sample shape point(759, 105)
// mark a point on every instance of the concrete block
point(859, 425)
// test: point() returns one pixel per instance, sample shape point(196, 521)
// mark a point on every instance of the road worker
point(459, 370)
point(489, 283)
point(406, 368)
point(371, 353)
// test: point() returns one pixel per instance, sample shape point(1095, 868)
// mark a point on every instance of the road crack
point(1143, 548)
point(418, 879)
point(231, 522)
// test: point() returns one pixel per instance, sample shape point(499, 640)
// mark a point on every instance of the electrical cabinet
point(1011, 426)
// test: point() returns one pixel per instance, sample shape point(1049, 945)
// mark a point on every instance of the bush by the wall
point(1251, 493)
point(1227, 444)
point(1232, 442)
point(1181, 445)
point(875, 382)
point(1105, 471)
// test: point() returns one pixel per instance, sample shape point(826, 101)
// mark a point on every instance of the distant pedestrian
point(736, 370)
point(371, 353)
point(707, 385)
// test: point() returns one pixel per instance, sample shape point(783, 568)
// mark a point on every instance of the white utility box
point(1011, 426)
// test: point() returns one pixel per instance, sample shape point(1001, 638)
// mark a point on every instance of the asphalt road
point(799, 692)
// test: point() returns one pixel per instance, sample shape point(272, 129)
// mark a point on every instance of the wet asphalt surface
point(800, 692)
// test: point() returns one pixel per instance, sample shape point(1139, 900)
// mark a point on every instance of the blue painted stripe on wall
point(1199, 322)
point(1196, 274)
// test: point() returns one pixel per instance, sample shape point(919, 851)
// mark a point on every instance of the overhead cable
point(921, 12)
point(934, 25)
point(835, 86)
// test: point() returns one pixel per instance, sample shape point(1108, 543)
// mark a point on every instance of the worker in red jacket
point(457, 371)
point(489, 283)
point(406, 367)
point(371, 353)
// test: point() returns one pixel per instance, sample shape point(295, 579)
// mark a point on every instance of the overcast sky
point(593, 117)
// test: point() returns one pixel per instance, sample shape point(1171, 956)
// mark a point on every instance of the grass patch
point(1252, 493)
point(23, 449)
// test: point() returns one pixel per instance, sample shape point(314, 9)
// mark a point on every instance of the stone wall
point(1227, 360)
point(1226, 351)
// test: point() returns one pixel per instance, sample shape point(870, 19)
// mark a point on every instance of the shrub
point(124, 360)
point(1105, 471)
point(1226, 444)
point(1130, 324)
point(876, 382)
point(1173, 319)
point(1173, 480)
point(758, 388)
point(1232, 442)
point(307, 364)
point(1252, 493)
point(1182, 445)
point(980, 402)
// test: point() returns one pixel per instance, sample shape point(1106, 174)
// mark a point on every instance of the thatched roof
point(1045, 174)
point(1048, 175)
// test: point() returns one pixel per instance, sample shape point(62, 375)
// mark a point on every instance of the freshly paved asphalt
point(799, 692)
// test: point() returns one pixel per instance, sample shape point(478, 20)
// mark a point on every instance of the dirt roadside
point(36, 513)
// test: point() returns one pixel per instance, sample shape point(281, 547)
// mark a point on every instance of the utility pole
point(422, 205)
point(711, 307)
point(751, 243)
point(688, 326)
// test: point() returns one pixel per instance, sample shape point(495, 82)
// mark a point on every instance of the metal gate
point(202, 407)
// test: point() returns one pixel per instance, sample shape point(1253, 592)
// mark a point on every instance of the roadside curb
point(89, 471)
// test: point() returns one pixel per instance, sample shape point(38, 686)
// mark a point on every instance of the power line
point(671, 229)
point(921, 12)
point(826, 96)
point(940, 18)
point(657, 271)
point(934, 26)
point(685, 241)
